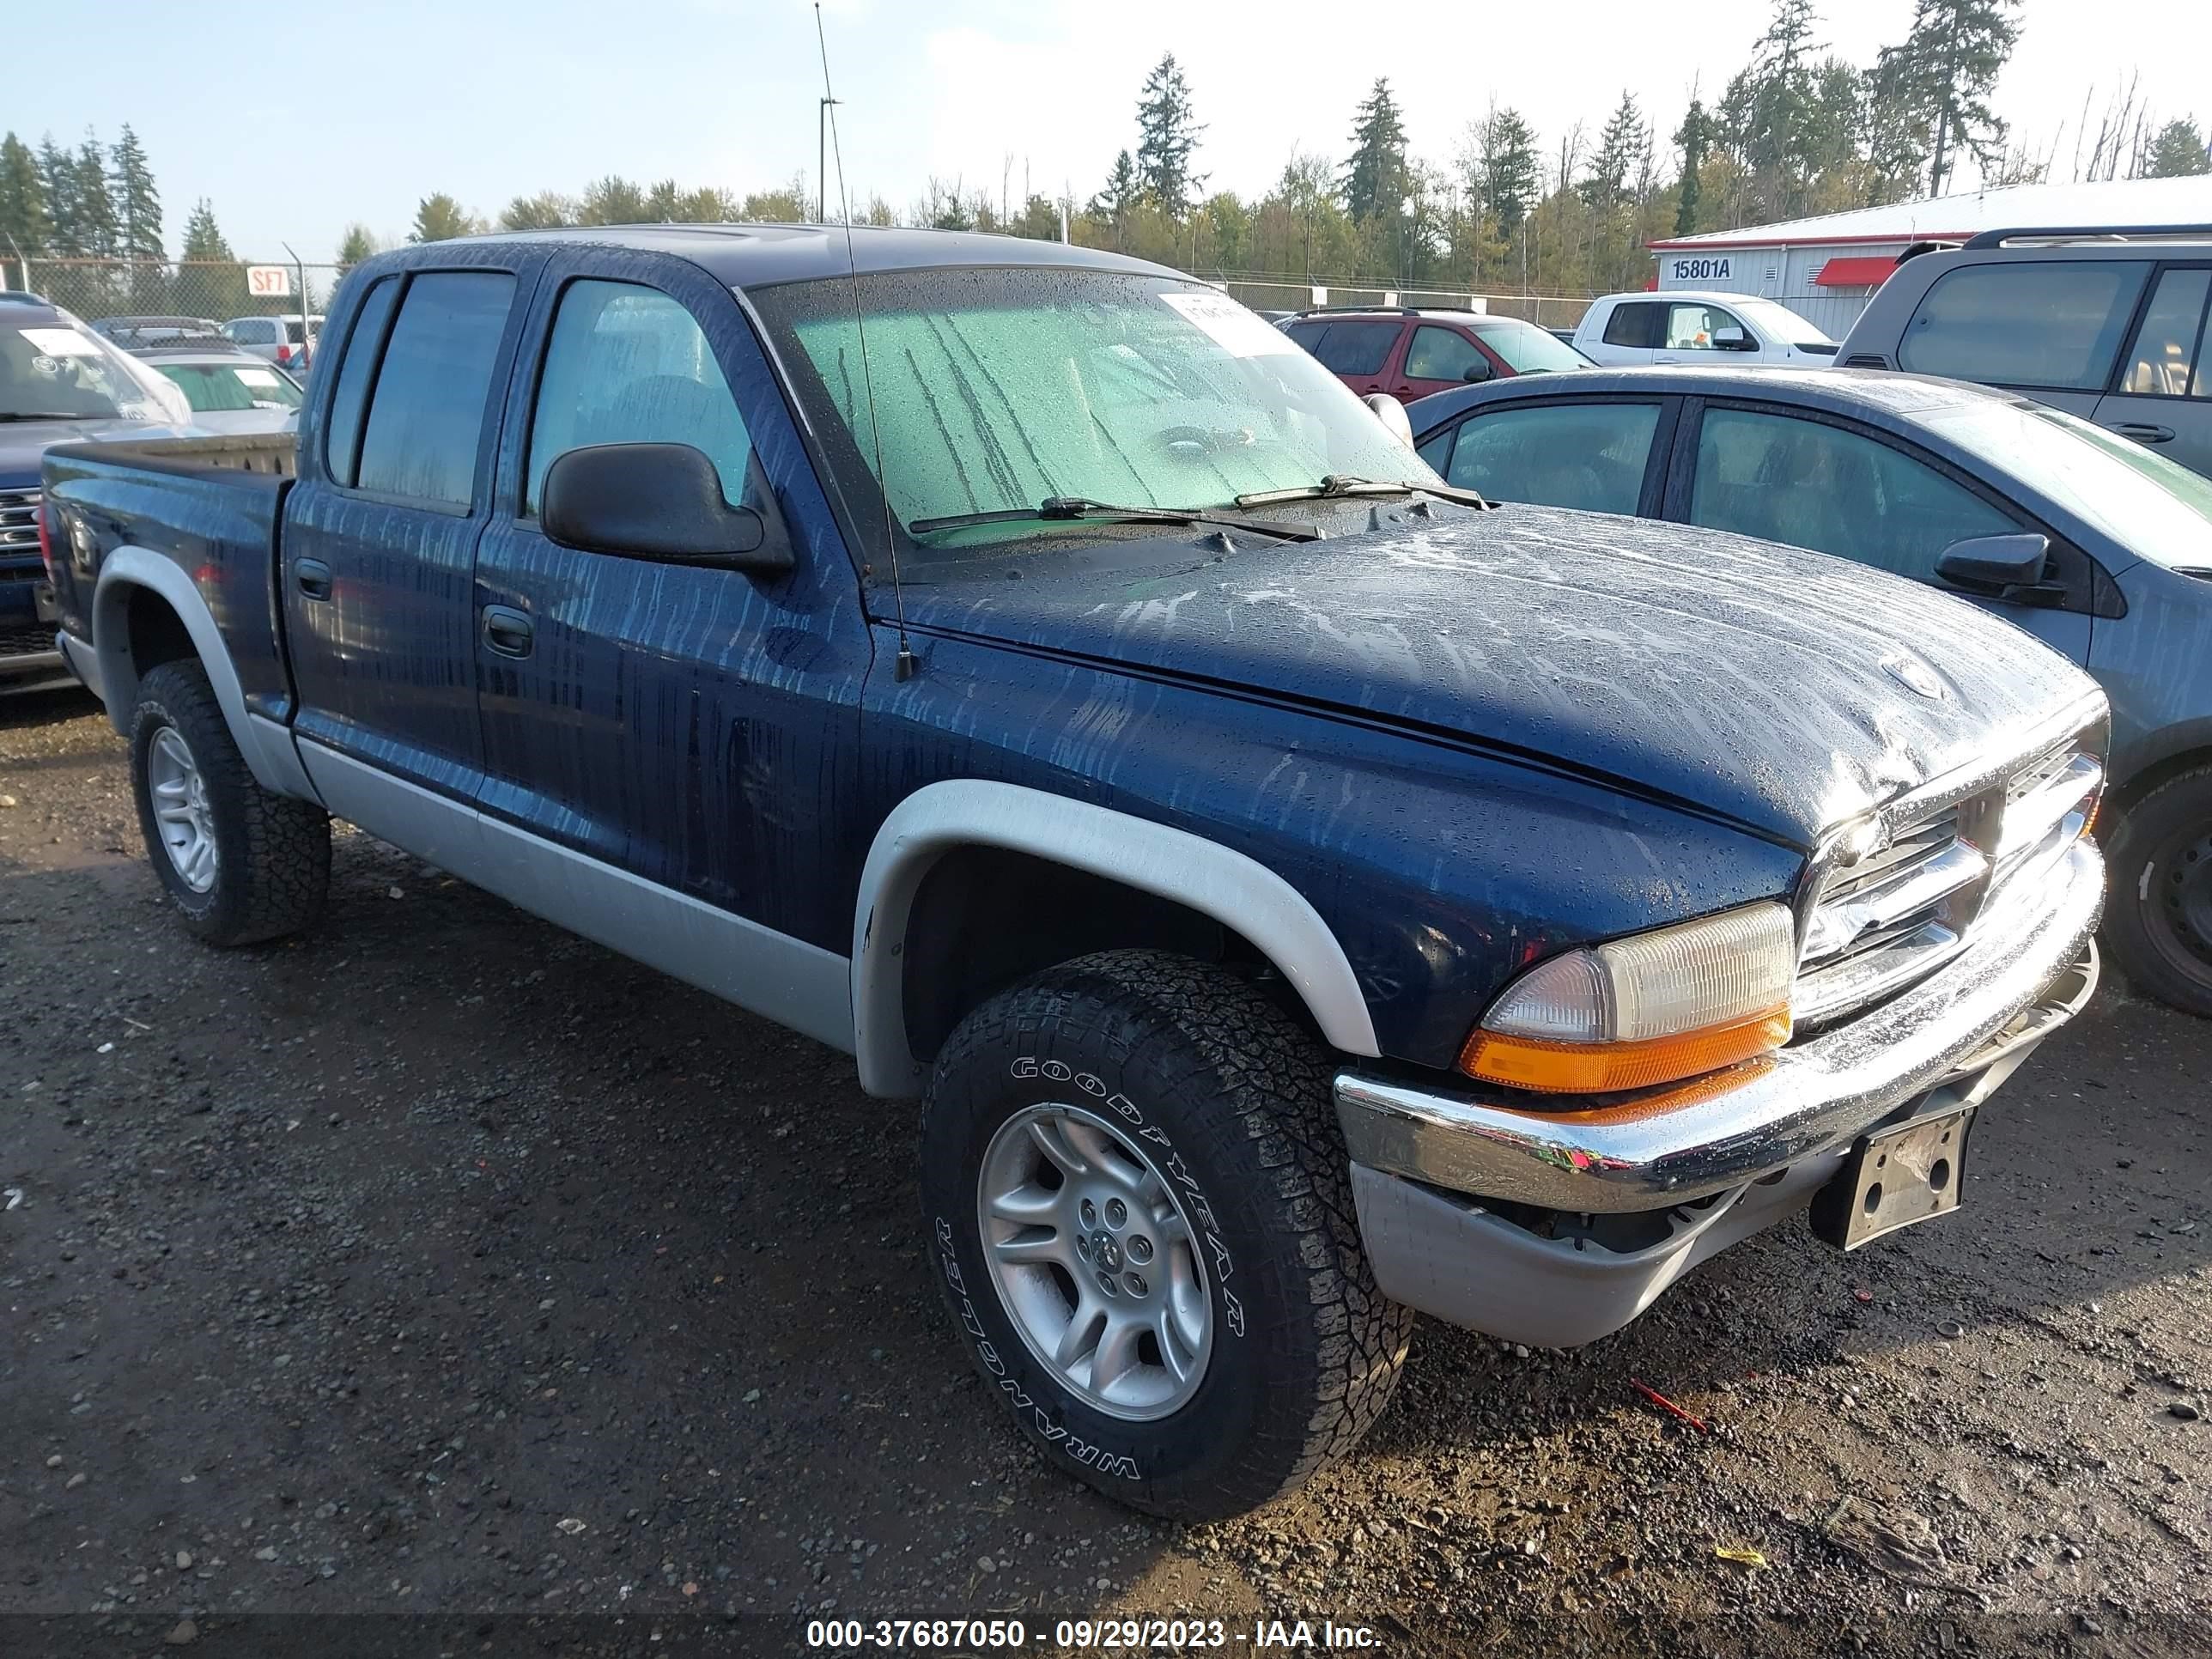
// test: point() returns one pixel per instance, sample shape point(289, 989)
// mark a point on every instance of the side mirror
point(1994, 561)
point(659, 502)
point(1392, 413)
point(1478, 371)
point(1732, 339)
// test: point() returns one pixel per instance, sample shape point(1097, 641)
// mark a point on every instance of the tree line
point(1797, 130)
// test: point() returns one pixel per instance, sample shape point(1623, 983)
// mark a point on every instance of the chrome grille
point(19, 521)
point(1883, 920)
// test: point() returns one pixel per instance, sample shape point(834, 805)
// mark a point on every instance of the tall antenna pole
point(905, 664)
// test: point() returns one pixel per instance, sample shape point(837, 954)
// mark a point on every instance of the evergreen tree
point(58, 181)
point(2178, 152)
point(545, 211)
point(1375, 177)
point(1767, 111)
point(1939, 81)
point(356, 246)
point(1695, 137)
point(204, 240)
point(612, 201)
point(440, 218)
point(137, 203)
point(22, 200)
point(1167, 138)
point(1113, 204)
point(1622, 150)
point(99, 228)
point(1506, 168)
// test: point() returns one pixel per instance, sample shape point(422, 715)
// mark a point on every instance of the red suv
point(1410, 353)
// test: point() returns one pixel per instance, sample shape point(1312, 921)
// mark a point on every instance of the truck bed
point(211, 505)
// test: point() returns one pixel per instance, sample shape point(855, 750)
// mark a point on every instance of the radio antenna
point(904, 665)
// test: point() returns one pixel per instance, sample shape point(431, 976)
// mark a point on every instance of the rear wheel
point(1140, 1206)
point(2158, 914)
point(242, 865)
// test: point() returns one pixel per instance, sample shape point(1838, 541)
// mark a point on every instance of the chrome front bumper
point(1665, 1146)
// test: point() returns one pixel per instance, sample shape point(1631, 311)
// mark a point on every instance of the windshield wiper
point(1338, 486)
point(48, 415)
point(1069, 508)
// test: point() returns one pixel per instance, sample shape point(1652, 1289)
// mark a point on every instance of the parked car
point(58, 380)
point(230, 389)
point(1564, 335)
point(1683, 325)
point(2108, 325)
point(1411, 354)
point(2101, 548)
point(1342, 899)
point(288, 342)
point(133, 332)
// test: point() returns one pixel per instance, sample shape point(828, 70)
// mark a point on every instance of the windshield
point(2149, 505)
point(996, 389)
point(1781, 322)
point(1528, 350)
point(227, 388)
point(64, 370)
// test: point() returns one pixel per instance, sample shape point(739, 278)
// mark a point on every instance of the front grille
point(1886, 919)
point(26, 641)
point(19, 521)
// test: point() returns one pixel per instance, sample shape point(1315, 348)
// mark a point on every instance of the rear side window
point(427, 414)
point(341, 435)
point(1585, 455)
point(629, 365)
point(1307, 335)
point(2166, 360)
point(1356, 348)
point(1637, 323)
point(2054, 323)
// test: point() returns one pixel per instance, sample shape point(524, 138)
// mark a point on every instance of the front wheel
point(2158, 912)
point(1140, 1209)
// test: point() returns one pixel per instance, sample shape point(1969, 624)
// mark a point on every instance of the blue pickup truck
point(1299, 893)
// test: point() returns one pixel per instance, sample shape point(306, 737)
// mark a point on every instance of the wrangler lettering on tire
point(1139, 1202)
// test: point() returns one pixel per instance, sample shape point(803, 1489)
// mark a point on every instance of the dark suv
point(1411, 354)
point(2106, 324)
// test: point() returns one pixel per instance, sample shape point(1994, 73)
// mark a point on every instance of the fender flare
point(1217, 881)
point(266, 746)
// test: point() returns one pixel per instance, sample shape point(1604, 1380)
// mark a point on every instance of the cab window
point(1691, 327)
point(1587, 455)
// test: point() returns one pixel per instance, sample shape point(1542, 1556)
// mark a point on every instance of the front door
point(1837, 489)
point(685, 724)
point(2162, 397)
point(1438, 358)
point(382, 529)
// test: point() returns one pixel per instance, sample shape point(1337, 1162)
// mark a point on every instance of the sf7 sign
point(269, 282)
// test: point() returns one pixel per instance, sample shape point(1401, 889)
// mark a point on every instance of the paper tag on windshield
point(60, 342)
point(256, 376)
point(1233, 328)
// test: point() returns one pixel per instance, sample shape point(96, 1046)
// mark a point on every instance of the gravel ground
point(443, 1264)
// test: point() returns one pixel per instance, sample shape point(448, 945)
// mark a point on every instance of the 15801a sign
point(1704, 270)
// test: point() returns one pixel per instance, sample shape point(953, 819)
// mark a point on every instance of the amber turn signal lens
point(1593, 1068)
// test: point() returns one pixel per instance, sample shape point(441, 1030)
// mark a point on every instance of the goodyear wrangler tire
point(1139, 1209)
point(242, 865)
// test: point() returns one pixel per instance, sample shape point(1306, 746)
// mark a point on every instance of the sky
point(296, 121)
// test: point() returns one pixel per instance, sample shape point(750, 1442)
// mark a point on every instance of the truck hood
point(1786, 691)
point(22, 443)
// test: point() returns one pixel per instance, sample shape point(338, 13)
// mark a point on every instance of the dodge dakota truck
point(1299, 893)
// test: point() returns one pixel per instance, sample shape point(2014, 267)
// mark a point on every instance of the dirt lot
point(443, 1264)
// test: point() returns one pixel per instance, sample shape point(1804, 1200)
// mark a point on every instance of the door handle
point(507, 631)
point(2143, 434)
point(312, 577)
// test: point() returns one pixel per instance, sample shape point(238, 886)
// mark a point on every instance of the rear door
point(2162, 395)
point(380, 531)
point(1835, 487)
point(1438, 357)
point(684, 723)
point(1595, 454)
point(1633, 332)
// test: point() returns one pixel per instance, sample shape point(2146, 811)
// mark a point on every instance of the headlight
point(1646, 1010)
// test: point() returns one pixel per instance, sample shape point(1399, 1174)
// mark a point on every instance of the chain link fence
point(1302, 294)
point(211, 290)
